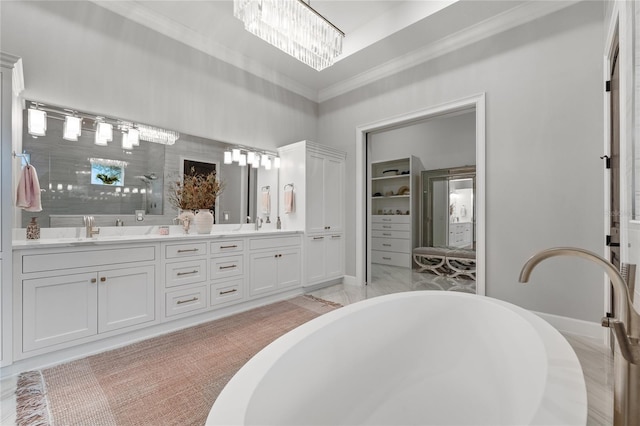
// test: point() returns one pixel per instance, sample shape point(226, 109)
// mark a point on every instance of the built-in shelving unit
point(393, 210)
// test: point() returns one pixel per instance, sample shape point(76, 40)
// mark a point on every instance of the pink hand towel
point(28, 192)
point(288, 201)
point(266, 202)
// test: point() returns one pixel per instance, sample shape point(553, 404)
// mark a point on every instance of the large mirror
point(112, 182)
point(448, 208)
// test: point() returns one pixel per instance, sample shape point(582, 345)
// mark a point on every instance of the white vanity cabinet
point(324, 257)
point(72, 296)
point(185, 277)
point(275, 264)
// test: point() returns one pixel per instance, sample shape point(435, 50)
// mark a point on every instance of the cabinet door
point(289, 268)
point(126, 297)
point(334, 195)
point(334, 246)
point(59, 309)
point(315, 259)
point(315, 193)
point(264, 273)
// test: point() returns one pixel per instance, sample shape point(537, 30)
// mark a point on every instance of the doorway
point(474, 103)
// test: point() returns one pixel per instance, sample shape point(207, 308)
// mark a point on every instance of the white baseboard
point(351, 280)
point(575, 326)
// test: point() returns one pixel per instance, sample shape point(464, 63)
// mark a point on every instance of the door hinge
point(611, 244)
point(607, 162)
point(607, 86)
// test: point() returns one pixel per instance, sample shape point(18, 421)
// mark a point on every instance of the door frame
point(476, 102)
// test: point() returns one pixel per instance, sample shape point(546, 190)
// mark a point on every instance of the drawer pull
point(386, 227)
point(103, 279)
point(228, 247)
point(387, 245)
point(335, 236)
point(228, 291)
point(228, 267)
point(180, 302)
point(195, 271)
point(386, 235)
point(386, 258)
point(187, 250)
point(93, 280)
point(386, 220)
point(318, 238)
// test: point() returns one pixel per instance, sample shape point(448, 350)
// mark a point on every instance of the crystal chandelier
point(294, 27)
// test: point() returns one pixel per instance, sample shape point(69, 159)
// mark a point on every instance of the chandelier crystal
point(293, 27)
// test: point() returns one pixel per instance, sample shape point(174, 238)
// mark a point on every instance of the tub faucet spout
point(626, 328)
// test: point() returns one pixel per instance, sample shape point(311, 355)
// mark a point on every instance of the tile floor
point(595, 358)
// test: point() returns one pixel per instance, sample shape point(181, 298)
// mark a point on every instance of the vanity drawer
point(181, 301)
point(391, 218)
point(226, 291)
point(384, 226)
point(228, 266)
point(391, 244)
point(185, 272)
point(267, 243)
point(58, 261)
point(227, 246)
point(172, 251)
point(390, 258)
point(376, 233)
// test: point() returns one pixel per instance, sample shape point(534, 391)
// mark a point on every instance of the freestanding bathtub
point(416, 358)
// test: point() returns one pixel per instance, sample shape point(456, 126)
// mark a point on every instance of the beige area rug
point(167, 380)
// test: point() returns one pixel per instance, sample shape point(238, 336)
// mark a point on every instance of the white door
point(58, 309)
point(126, 297)
point(315, 193)
point(264, 272)
point(289, 268)
point(334, 249)
point(315, 259)
point(334, 195)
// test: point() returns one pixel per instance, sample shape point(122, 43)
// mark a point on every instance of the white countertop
point(74, 237)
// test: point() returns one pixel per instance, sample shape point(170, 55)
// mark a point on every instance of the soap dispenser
point(278, 223)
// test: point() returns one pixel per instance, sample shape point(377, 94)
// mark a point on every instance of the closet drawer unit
point(385, 226)
point(267, 243)
point(391, 218)
point(185, 272)
point(79, 259)
point(220, 247)
point(228, 266)
point(391, 258)
point(226, 291)
point(391, 244)
point(188, 300)
point(376, 233)
point(172, 251)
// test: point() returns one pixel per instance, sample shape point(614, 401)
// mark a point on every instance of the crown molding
point(512, 18)
point(186, 35)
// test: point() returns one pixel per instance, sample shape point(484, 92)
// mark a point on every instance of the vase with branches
point(197, 193)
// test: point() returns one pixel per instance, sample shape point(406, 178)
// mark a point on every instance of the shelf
point(390, 196)
point(390, 177)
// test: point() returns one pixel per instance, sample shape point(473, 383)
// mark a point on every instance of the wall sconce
point(235, 154)
point(251, 157)
point(126, 142)
point(71, 128)
point(243, 160)
point(37, 121)
point(276, 162)
point(134, 136)
point(227, 157)
point(255, 164)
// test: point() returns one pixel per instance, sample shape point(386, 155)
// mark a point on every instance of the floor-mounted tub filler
point(415, 358)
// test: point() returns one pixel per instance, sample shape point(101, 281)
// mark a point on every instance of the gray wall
point(544, 179)
point(79, 54)
point(440, 142)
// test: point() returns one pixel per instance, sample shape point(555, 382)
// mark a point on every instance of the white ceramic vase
point(204, 221)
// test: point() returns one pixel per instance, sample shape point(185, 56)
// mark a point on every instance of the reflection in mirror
point(448, 209)
point(112, 182)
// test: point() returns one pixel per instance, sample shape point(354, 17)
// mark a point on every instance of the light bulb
point(227, 157)
point(276, 162)
point(235, 154)
point(37, 122)
point(134, 136)
point(71, 128)
point(243, 160)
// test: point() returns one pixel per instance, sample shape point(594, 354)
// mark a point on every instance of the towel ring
point(266, 188)
point(24, 155)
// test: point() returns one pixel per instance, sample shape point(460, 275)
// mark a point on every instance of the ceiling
point(381, 37)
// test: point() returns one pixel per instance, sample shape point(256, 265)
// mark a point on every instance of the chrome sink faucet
point(89, 226)
point(626, 328)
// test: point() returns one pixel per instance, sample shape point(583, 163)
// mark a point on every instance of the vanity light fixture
point(265, 160)
point(267, 166)
point(126, 142)
point(37, 120)
point(256, 160)
point(243, 160)
point(294, 27)
point(227, 157)
point(276, 162)
point(72, 128)
point(104, 132)
point(255, 164)
point(235, 154)
point(251, 156)
point(134, 136)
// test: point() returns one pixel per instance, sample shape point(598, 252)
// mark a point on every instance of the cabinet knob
point(103, 279)
point(93, 280)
